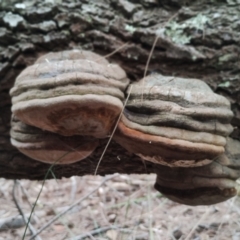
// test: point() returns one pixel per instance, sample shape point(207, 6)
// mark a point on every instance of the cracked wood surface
point(202, 41)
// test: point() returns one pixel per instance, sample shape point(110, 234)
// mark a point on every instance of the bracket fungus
point(64, 103)
point(49, 147)
point(174, 121)
point(204, 185)
point(70, 93)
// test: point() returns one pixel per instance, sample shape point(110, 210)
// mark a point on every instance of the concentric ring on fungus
point(49, 147)
point(209, 184)
point(70, 93)
point(174, 121)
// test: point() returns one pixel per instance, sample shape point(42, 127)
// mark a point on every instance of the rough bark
point(201, 41)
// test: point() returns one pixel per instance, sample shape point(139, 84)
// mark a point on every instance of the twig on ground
point(197, 223)
point(228, 210)
point(73, 189)
point(94, 232)
point(24, 192)
point(72, 206)
point(50, 170)
point(31, 228)
point(35, 218)
point(12, 223)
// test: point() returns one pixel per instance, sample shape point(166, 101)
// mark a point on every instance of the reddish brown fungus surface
point(175, 121)
point(79, 89)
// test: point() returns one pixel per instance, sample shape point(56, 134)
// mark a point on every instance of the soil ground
point(124, 207)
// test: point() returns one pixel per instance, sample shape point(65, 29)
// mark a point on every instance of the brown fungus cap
point(74, 54)
point(70, 92)
point(50, 147)
point(174, 121)
point(204, 185)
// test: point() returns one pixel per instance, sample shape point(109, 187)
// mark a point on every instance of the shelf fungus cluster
point(209, 184)
point(50, 147)
point(70, 98)
point(65, 103)
point(175, 122)
point(183, 127)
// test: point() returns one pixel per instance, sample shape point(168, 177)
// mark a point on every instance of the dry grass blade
point(50, 169)
point(112, 53)
point(115, 127)
point(24, 192)
point(31, 228)
point(153, 47)
point(232, 207)
point(196, 225)
point(72, 206)
point(94, 232)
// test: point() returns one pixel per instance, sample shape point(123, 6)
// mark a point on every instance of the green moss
point(177, 31)
point(130, 28)
point(227, 57)
point(224, 84)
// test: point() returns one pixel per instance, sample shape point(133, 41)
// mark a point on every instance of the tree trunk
point(196, 39)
